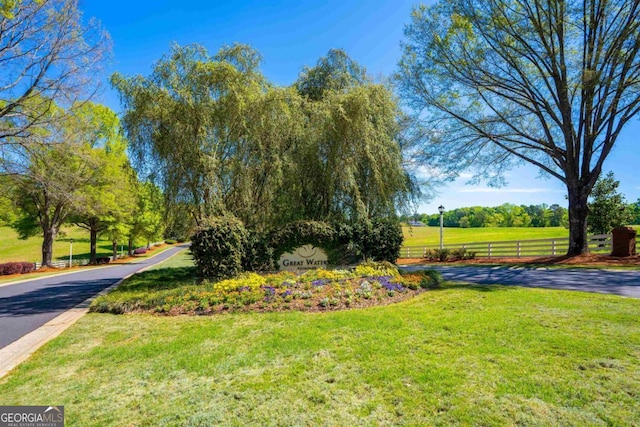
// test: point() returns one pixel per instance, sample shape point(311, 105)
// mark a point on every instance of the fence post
point(518, 248)
point(489, 250)
point(553, 247)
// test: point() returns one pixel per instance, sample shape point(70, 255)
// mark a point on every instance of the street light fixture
point(441, 210)
point(70, 253)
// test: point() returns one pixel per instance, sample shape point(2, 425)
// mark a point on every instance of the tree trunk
point(49, 236)
point(578, 211)
point(93, 232)
point(115, 249)
point(130, 247)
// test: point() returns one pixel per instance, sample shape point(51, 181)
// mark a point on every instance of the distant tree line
point(510, 215)
point(506, 215)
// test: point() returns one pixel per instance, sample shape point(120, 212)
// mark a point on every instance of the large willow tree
point(547, 82)
point(223, 140)
point(211, 130)
point(351, 158)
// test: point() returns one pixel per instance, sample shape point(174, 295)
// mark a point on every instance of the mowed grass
point(421, 236)
point(14, 249)
point(462, 355)
point(179, 260)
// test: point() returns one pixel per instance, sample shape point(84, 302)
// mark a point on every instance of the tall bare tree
point(47, 54)
point(547, 82)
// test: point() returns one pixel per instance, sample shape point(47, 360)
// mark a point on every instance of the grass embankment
point(420, 236)
point(460, 355)
point(30, 250)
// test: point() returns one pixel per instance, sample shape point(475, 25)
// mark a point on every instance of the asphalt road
point(620, 282)
point(28, 305)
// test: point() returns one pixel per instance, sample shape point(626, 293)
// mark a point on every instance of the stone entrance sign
point(303, 258)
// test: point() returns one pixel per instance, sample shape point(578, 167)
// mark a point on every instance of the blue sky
point(292, 34)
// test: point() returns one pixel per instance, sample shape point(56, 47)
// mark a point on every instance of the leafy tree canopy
point(498, 82)
point(607, 208)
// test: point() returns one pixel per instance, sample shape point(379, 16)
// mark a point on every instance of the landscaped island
point(180, 292)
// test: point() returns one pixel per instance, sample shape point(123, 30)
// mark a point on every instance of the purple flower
point(270, 292)
point(320, 282)
point(386, 283)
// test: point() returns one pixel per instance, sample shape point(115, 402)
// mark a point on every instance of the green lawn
point(14, 249)
point(179, 260)
point(462, 355)
point(418, 236)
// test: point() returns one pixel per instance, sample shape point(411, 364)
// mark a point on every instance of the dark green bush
point(446, 254)
point(219, 249)
point(377, 240)
point(462, 254)
point(258, 254)
point(383, 240)
point(441, 255)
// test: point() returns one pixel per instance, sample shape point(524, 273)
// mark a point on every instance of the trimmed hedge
point(377, 240)
point(16, 268)
point(225, 248)
point(219, 249)
point(258, 254)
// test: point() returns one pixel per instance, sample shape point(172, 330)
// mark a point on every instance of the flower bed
point(316, 290)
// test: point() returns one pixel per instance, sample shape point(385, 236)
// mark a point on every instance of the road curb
point(20, 350)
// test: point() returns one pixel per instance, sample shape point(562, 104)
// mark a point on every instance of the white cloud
point(506, 190)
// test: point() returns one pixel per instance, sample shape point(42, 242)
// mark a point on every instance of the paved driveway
point(625, 283)
point(26, 306)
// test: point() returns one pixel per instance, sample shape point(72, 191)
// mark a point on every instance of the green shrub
point(258, 253)
point(170, 241)
point(219, 249)
point(449, 254)
point(376, 240)
point(383, 240)
point(438, 254)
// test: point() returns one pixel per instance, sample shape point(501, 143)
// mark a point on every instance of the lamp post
point(441, 210)
point(70, 252)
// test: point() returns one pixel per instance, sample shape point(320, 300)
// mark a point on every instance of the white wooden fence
point(600, 243)
point(65, 263)
point(81, 261)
